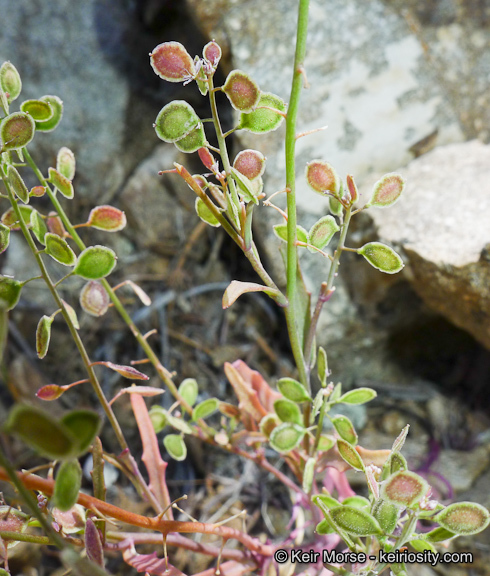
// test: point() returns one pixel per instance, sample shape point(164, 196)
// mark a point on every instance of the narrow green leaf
point(41, 432)
point(422, 545)
point(322, 366)
point(293, 390)
point(381, 257)
point(386, 514)
point(357, 502)
point(439, 534)
point(43, 335)
point(309, 474)
point(95, 262)
point(175, 446)
point(67, 485)
point(59, 249)
point(358, 396)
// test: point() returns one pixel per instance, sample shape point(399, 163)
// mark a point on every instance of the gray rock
point(442, 225)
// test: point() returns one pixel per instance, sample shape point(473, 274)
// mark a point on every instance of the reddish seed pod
point(94, 299)
point(251, 163)
point(172, 62)
point(207, 158)
point(351, 186)
point(322, 177)
point(243, 93)
point(212, 53)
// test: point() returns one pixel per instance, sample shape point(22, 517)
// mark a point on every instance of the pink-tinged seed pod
point(50, 392)
point(322, 177)
point(201, 181)
point(351, 186)
point(172, 62)
point(243, 93)
point(37, 191)
point(212, 53)
point(94, 299)
point(251, 163)
point(387, 190)
point(55, 225)
point(207, 158)
point(107, 218)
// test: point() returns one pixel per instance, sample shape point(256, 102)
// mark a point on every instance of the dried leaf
point(126, 371)
point(152, 458)
point(236, 289)
point(141, 390)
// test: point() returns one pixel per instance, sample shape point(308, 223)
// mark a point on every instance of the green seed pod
point(322, 366)
point(404, 488)
point(464, 518)
point(322, 177)
point(325, 502)
point(59, 250)
point(382, 257)
point(9, 292)
point(66, 163)
point(335, 206)
point(107, 218)
point(175, 446)
point(43, 335)
point(158, 417)
point(358, 396)
point(176, 120)
point(308, 475)
point(355, 521)
point(4, 238)
point(57, 108)
point(251, 163)
point(84, 425)
point(387, 190)
point(322, 232)
point(242, 92)
point(212, 53)
point(61, 183)
point(71, 314)
point(94, 299)
point(357, 502)
point(268, 423)
point(193, 141)
point(67, 485)
point(263, 120)
point(422, 545)
point(288, 411)
point(205, 408)
point(189, 390)
point(95, 262)
point(324, 527)
point(10, 81)
point(349, 454)
point(40, 110)
point(205, 213)
point(397, 463)
point(17, 184)
point(293, 390)
point(281, 231)
point(439, 534)
point(386, 514)
point(38, 226)
point(41, 432)
point(326, 443)
point(345, 429)
point(286, 437)
point(172, 62)
point(245, 186)
point(16, 131)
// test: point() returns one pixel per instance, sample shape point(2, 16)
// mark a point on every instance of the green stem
point(292, 250)
point(327, 288)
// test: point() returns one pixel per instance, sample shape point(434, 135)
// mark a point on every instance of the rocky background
point(402, 86)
